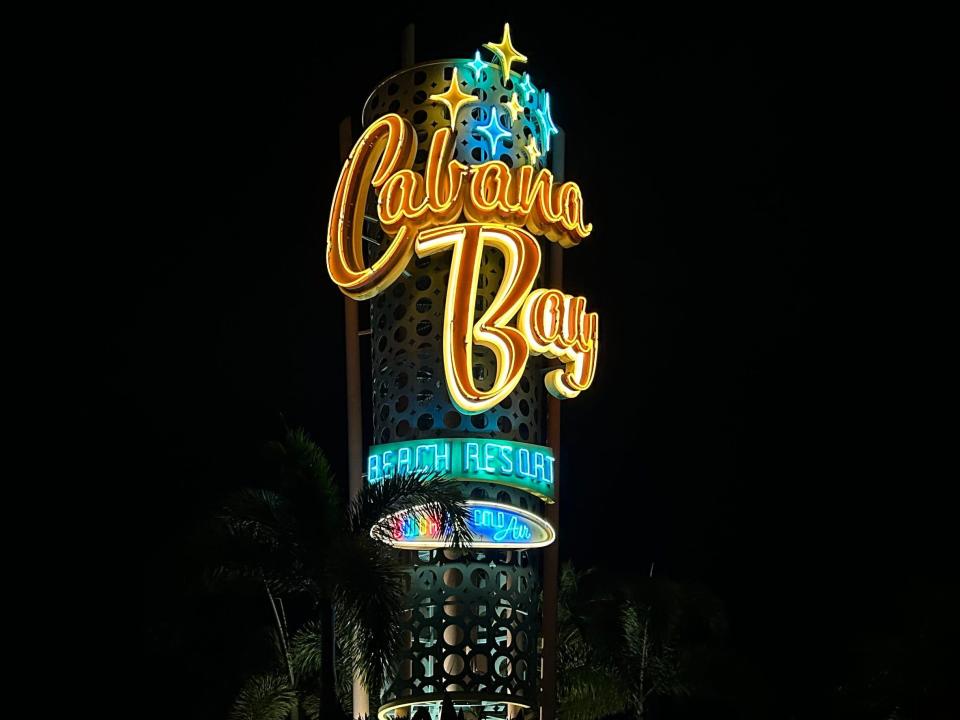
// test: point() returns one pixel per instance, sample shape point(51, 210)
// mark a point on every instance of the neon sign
point(454, 98)
point(494, 131)
point(546, 121)
point(494, 525)
point(506, 52)
point(528, 89)
point(463, 209)
point(477, 65)
point(514, 464)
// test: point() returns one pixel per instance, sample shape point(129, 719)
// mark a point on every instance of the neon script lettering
point(506, 529)
point(492, 524)
point(407, 527)
point(503, 207)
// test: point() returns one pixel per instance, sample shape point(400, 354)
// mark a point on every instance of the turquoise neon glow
point(527, 87)
point(546, 121)
point(505, 462)
point(493, 525)
point(477, 66)
point(494, 130)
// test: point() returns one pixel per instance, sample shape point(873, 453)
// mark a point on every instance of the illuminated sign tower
point(445, 212)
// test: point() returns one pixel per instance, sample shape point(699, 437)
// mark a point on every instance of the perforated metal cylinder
point(473, 624)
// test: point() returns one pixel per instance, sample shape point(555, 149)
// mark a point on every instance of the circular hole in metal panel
point(453, 635)
point(452, 419)
point(453, 664)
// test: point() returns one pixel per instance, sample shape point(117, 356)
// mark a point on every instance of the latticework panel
point(473, 625)
point(408, 94)
point(410, 398)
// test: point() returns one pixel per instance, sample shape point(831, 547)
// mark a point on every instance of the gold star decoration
point(514, 107)
point(506, 52)
point(454, 98)
point(533, 152)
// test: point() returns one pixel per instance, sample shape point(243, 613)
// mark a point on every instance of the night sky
point(757, 422)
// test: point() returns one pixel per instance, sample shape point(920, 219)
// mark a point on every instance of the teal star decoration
point(527, 87)
point(546, 121)
point(477, 66)
point(494, 130)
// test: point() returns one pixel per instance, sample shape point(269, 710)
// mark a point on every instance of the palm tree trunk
point(328, 670)
point(643, 663)
point(282, 630)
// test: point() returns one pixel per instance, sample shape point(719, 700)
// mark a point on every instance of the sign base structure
point(443, 213)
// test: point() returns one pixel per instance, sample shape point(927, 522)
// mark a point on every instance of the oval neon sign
point(493, 524)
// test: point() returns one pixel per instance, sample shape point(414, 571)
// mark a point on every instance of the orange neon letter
point(558, 325)
point(522, 263)
point(393, 141)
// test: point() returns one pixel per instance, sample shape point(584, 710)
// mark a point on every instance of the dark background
point(764, 418)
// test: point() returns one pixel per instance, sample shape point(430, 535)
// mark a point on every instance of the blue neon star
point(494, 130)
point(527, 87)
point(477, 66)
point(546, 121)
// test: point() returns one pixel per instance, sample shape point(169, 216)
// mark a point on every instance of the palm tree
point(588, 683)
point(292, 685)
point(297, 539)
point(625, 640)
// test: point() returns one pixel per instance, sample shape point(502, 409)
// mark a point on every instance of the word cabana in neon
point(462, 209)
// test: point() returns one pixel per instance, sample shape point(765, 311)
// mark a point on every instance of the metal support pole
point(351, 327)
point(361, 698)
point(406, 60)
point(407, 46)
point(551, 554)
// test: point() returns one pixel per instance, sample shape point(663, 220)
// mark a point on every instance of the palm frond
point(306, 650)
point(569, 578)
point(311, 707)
point(264, 541)
point(304, 460)
point(302, 452)
point(258, 520)
point(284, 582)
point(260, 507)
point(591, 692)
point(306, 655)
point(307, 481)
point(264, 697)
point(666, 673)
point(425, 495)
point(369, 602)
